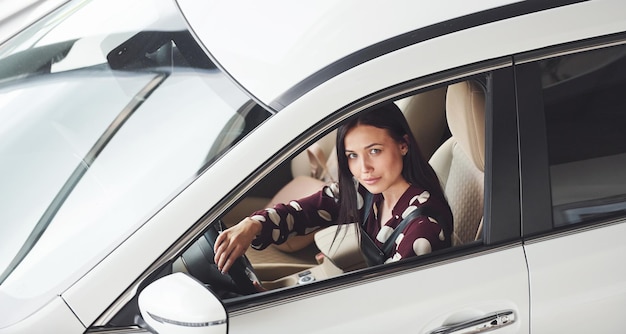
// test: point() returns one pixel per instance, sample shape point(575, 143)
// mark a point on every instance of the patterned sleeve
point(423, 234)
point(297, 217)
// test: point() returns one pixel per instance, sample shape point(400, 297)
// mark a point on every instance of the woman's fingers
point(233, 243)
point(218, 248)
point(228, 257)
point(223, 251)
point(228, 247)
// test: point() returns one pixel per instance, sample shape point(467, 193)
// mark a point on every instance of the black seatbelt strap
point(367, 206)
point(388, 245)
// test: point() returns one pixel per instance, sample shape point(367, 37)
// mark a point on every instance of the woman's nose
point(366, 165)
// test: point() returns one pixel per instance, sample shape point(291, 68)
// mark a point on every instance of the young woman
point(377, 154)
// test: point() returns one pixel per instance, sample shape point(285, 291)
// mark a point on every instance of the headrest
point(465, 110)
point(426, 114)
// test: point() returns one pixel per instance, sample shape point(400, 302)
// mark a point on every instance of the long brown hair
point(415, 170)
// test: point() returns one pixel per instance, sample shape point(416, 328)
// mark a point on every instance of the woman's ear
point(404, 146)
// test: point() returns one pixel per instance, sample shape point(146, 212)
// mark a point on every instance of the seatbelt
point(388, 245)
point(367, 206)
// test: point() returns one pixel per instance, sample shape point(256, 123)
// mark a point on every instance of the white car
point(131, 132)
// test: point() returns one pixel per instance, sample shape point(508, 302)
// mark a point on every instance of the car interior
point(449, 125)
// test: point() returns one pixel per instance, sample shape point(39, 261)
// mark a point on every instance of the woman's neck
point(391, 196)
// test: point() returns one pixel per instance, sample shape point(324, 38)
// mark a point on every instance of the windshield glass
point(108, 108)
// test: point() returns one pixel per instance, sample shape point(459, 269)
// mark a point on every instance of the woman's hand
point(233, 243)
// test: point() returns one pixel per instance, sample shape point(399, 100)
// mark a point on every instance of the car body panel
point(55, 315)
point(577, 280)
point(429, 296)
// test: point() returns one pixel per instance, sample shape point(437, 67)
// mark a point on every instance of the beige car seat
point(426, 115)
point(460, 161)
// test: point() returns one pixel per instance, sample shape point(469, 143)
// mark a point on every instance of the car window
point(105, 115)
point(585, 112)
point(299, 259)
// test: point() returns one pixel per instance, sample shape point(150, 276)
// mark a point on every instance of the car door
point(479, 284)
point(572, 119)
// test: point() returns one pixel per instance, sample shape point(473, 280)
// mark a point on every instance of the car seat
point(426, 114)
point(460, 161)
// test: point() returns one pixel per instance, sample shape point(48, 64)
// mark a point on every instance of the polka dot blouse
point(422, 235)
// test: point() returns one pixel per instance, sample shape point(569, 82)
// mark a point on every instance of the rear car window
point(585, 110)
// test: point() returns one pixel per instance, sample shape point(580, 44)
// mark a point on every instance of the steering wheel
point(199, 261)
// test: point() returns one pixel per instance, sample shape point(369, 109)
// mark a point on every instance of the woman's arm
point(275, 225)
point(233, 243)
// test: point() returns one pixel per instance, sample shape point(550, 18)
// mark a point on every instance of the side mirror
point(178, 303)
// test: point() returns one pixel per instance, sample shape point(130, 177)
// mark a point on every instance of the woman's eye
point(351, 155)
point(374, 151)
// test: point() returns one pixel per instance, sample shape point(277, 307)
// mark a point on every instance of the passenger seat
point(460, 161)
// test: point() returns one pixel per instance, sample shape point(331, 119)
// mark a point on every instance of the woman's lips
point(371, 180)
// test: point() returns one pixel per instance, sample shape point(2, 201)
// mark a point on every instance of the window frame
point(501, 155)
point(536, 193)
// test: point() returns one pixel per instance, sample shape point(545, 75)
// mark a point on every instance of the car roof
point(278, 50)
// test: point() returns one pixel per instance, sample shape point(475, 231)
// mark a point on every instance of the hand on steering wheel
point(232, 243)
point(199, 262)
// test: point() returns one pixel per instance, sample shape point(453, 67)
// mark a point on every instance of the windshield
point(108, 108)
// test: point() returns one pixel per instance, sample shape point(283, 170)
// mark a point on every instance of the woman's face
point(375, 158)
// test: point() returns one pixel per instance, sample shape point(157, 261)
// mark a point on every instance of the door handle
point(482, 324)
